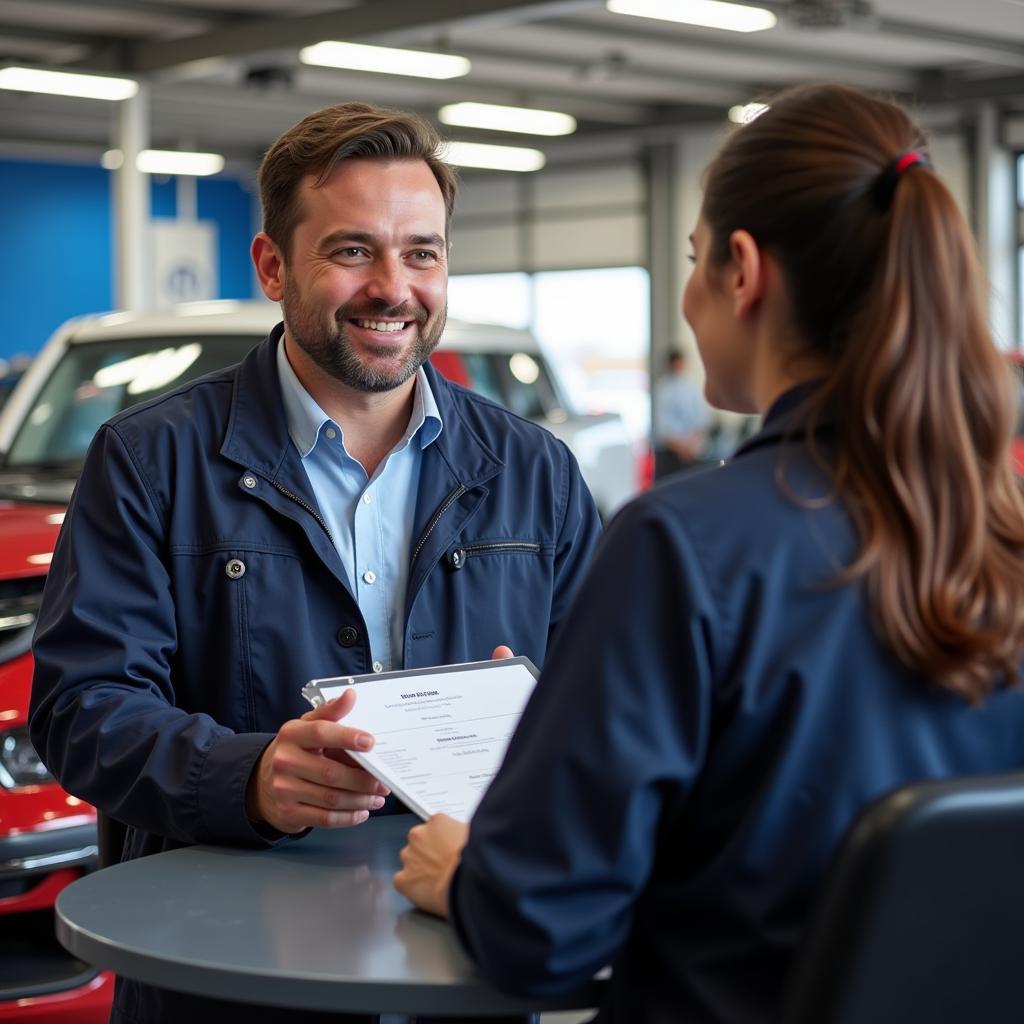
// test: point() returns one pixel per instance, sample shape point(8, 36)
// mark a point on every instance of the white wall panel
point(552, 220)
point(488, 194)
point(485, 248)
point(609, 241)
point(559, 189)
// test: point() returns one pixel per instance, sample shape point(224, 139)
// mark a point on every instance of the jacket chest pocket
point(457, 557)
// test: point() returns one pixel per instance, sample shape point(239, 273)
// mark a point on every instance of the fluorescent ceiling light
point(385, 60)
point(493, 158)
point(507, 119)
point(167, 161)
point(744, 113)
point(706, 13)
point(65, 83)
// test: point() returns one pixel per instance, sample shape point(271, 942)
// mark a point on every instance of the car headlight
point(19, 763)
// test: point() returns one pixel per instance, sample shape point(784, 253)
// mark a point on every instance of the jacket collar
point(785, 417)
point(257, 432)
point(257, 435)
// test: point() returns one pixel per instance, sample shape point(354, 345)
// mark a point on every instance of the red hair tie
point(887, 181)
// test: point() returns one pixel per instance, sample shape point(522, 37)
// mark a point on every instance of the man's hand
point(429, 861)
point(305, 779)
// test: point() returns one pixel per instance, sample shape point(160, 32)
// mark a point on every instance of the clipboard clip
point(311, 691)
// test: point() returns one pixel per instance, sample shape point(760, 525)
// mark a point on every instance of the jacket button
point(249, 480)
point(347, 636)
point(457, 558)
point(235, 569)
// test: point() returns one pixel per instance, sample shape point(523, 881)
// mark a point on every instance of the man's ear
point(747, 273)
point(269, 262)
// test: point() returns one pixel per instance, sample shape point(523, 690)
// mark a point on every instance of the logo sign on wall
point(184, 261)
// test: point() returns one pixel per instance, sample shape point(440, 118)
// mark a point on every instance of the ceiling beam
point(636, 30)
point(159, 8)
point(251, 35)
point(939, 86)
point(46, 35)
point(988, 46)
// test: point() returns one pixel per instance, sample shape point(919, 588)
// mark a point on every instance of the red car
point(47, 838)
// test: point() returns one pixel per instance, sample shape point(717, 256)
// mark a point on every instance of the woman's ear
point(747, 273)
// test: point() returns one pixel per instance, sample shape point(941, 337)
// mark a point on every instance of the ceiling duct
point(829, 13)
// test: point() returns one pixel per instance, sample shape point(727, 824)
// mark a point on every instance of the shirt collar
point(305, 418)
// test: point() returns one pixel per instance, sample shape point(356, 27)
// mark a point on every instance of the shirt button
point(235, 569)
point(378, 667)
point(331, 433)
point(347, 636)
point(369, 576)
point(249, 480)
point(367, 498)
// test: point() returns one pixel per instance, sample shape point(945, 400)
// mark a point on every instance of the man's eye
point(424, 255)
point(349, 252)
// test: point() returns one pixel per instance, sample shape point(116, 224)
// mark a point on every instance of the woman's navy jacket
point(193, 590)
point(713, 714)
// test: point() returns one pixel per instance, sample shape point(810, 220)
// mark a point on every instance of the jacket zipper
point(502, 545)
point(445, 505)
point(305, 504)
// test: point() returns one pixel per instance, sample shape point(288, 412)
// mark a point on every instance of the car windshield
point(95, 380)
point(519, 381)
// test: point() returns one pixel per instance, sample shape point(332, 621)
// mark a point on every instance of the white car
point(95, 366)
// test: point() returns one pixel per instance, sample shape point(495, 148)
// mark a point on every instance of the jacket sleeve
point(605, 756)
point(577, 540)
point(102, 713)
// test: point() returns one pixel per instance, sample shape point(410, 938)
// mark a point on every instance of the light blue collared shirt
point(370, 519)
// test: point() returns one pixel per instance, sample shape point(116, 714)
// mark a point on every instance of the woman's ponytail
point(884, 282)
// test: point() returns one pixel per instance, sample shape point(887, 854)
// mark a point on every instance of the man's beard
point(333, 352)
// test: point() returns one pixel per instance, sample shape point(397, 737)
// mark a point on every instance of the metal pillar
point(995, 220)
point(131, 204)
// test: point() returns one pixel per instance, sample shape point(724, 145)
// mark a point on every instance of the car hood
point(27, 535)
point(37, 486)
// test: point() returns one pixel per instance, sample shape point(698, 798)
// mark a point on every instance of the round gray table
point(314, 924)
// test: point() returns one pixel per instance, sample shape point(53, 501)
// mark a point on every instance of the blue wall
point(56, 256)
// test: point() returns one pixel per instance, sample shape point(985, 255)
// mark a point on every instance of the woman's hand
point(428, 862)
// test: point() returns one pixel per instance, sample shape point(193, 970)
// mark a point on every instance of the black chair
point(921, 918)
point(110, 835)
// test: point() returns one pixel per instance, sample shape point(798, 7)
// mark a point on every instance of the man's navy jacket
point(194, 590)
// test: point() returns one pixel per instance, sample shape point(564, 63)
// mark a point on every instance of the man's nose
point(388, 282)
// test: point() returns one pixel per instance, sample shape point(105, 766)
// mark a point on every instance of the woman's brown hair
point(883, 281)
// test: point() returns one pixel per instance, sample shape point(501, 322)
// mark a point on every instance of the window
point(1020, 250)
point(593, 325)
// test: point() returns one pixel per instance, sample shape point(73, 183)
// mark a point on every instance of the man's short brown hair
point(346, 131)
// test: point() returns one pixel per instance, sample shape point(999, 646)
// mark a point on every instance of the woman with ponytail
point(765, 647)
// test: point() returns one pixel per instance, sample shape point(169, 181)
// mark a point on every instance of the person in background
point(681, 420)
point(763, 648)
point(330, 506)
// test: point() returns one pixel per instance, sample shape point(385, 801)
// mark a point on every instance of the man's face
point(365, 281)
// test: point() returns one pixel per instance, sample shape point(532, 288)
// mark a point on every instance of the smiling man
point(330, 506)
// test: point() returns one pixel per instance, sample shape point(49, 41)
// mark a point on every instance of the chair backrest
point(922, 914)
point(110, 834)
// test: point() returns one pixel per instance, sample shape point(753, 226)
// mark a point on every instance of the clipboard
point(441, 733)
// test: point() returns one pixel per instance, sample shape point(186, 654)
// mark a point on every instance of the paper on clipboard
point(441, 733)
